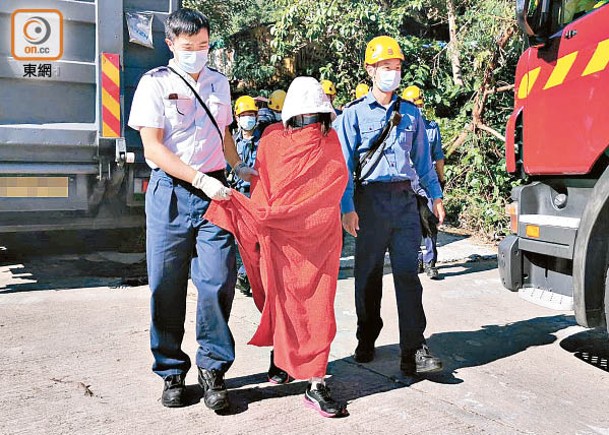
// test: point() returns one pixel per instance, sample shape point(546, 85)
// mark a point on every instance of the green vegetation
point(467, 82)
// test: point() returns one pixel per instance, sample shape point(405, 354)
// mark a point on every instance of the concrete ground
point(75, 359)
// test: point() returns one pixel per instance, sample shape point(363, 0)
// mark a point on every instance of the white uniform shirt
point(163, 100)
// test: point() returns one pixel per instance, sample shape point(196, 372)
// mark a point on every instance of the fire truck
point(557, 142)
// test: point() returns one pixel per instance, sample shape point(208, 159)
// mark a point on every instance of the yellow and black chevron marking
point(597, 63)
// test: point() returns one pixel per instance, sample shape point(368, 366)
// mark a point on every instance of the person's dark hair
point(326, 123)
point(325, 119)
point(185, 22)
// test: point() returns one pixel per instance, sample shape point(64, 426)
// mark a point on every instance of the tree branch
point(453, 45)
point(459, 140)
point(491, 131)
point(481, 96)
point(500, 89)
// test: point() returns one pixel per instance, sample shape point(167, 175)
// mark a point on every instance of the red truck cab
point(557, 142)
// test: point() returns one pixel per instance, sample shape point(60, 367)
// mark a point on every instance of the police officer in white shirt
point(188, 152)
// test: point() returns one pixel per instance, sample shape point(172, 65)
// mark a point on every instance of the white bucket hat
point(305, 95)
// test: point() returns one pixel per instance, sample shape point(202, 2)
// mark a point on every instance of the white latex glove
point(211, 187)
point(246, 173)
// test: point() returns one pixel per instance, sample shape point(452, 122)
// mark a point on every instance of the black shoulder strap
point(396, 118)
point(202, 103)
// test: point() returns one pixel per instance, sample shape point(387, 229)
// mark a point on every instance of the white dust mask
point(191, 62)
point(247, 123)
point(388, 80)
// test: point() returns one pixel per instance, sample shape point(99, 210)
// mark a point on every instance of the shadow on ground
point(72, 259)
point(473, 264)
point(444, 239)
point(590, 346)
point(458, 349)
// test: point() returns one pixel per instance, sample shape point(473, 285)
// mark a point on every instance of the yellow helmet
point(328, 87)
point(382, 48)
point(413, 94)
point(276, 100)
point(245, 104)
point(361, 90)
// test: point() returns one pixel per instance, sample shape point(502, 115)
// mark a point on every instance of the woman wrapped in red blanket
point(290, 236)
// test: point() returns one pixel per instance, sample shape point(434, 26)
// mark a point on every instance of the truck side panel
point(53, 156)
point(138, 60)
point(553, 83)
point(69, 95)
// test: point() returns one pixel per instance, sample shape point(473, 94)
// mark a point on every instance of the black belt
point(219, 175)
point(390, 186)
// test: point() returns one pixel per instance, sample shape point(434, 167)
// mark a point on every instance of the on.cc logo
point(37, 30)
point(37, 34)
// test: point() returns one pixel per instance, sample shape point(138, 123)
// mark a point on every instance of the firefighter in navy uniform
point(427, 261)
point(381, 212)
point(272, 113)
point(246, 138)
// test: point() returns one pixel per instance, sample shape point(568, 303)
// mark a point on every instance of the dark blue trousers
point(431, 245)
point(179, 241)
point(430, 256)
point(388, 220)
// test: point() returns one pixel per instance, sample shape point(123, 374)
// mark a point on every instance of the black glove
point(429, 221)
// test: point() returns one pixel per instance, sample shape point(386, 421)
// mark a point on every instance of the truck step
point(547, 298)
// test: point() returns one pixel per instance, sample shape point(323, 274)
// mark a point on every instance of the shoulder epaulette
point(354, 102)
point(158, 69)
point(215, 70)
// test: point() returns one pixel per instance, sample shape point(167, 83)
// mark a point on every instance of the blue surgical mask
point(388, 80)
point(247, 123)
point(191, 62)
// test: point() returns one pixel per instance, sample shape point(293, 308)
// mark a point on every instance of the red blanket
point(290, 239)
